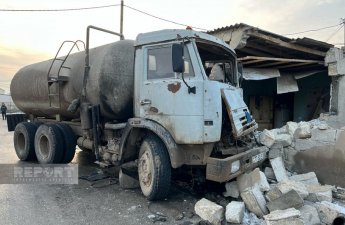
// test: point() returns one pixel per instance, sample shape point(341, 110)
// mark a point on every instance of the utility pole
point(343, 20)
point(121, 18)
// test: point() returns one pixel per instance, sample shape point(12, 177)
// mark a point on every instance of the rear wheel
point(70, 142)
point(48, 144)
point(154, 168)
point(23, 139)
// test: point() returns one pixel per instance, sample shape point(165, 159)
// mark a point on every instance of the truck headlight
point(235, 166)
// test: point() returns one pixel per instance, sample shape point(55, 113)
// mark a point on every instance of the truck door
point(164, 98)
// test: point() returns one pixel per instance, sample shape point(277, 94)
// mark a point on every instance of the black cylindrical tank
point(110, 83)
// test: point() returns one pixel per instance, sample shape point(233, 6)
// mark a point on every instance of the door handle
point(145, 102)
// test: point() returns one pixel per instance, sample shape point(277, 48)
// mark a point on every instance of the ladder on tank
point(56, 80)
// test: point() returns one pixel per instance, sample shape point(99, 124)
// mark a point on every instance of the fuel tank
point(110, 83)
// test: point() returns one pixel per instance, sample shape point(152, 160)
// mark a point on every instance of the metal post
point(121, 18)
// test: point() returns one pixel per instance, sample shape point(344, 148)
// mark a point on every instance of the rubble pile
point(276, 196)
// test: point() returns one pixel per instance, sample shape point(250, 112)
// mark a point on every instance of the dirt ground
point(86, 203)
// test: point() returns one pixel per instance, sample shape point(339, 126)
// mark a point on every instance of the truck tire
point(154, 168)
point(24, 141)
point(48, 144)
point(70, 142)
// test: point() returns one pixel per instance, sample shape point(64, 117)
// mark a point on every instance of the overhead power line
point(336, 31)
point(58, 10)
point(313, 30)
point(160, 18)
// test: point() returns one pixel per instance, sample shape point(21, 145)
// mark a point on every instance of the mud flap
point(14, 119)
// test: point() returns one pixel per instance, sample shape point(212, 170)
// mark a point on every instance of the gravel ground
point(84, 203)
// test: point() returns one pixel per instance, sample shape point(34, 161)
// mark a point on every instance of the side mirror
point(177, 58)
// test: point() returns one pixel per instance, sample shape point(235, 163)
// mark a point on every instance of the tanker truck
point(170, 99)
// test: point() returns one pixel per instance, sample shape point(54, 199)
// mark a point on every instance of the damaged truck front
point(169, 99)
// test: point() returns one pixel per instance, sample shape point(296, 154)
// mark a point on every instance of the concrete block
point(127, 182)
point(309, 215)
point(268, 171)
point(322, 126)
point(291, 127)
point(284, 217)
point(306, 178)
point(318, 193)
point(234, 212)
point(254, 178)
point(289, 185)
point(273, 194)
point(276, 150)
point(255, 201)
point(328, 136)
point(231, 190)
point(288, 200)
point(267, 138)
point(279, 169)
point(306, 144)
point(251, 219)
point(329, 211)
point(284, 139)
point(303, 131)
point(209, 211)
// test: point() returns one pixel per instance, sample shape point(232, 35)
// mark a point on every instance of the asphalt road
point(84, 203)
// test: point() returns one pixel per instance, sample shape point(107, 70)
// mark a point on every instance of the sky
point(29, 37)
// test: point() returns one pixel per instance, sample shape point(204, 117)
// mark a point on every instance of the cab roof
point(175, 34)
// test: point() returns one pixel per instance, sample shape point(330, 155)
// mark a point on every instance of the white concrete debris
point(289, 185)
point(284, 217)
point(284, 139)
point(279, 169)
point(290, 199)
point(255, 201)
point(318, 193)
point(231, 190)
point(273, 194)
point(291, 127)
point(303, 131)
point(254, 178)
point(329, 211)
point(234, 212)
point(309, 215)
point(209, 211)
point(267, 138)
point(306, 178)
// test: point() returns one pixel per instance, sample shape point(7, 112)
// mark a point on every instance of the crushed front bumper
point(223, 170)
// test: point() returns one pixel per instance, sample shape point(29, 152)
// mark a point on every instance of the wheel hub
point(145, 169)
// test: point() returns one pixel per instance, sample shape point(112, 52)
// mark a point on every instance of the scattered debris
point(307, 178)
point(255, 201)
point(209, 211)
point(328, 211)
point(279, 169)
point(288, 200)
point(234, 212)
point(309, 215)
point(284, 217)
point(231, 190)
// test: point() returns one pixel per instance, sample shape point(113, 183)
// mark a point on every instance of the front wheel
point(154, 168)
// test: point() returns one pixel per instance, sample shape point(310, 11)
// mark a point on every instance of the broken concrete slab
point(319, 193)
point(328, 136)
point(303, 131)
point(306, 178)
point(339, 193)
point(254, 178)
point(289, 185)
point(329, 211)
point(279, 169)
point(284, 139)
point(267, 138)
point(273, 194)
point(284, 217)
point(255, 201)
point(309, 215)
point(127, 182)
point(276, 150)
point(291, 127)
point(251, 219)
point(234, 212)
point(288, 200)
point(268, 171)
point(231, 190)
point(209, 211)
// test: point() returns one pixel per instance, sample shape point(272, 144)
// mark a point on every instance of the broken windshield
point(219, 63)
